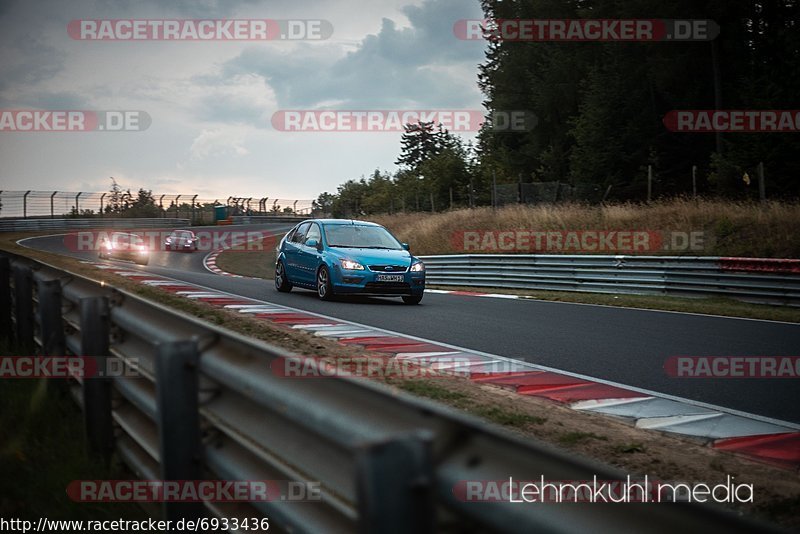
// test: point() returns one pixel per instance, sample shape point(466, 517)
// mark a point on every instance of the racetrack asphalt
point(626, 346)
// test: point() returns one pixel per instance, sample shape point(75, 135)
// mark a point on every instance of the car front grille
point(392, 269)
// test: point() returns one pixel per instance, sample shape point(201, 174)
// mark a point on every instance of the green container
point(220, 213)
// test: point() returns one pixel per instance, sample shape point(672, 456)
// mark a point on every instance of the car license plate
point(390, 278)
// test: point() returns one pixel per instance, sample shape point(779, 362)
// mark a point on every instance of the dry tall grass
point(731, 229)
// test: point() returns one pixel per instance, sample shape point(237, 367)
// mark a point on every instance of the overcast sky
point(211, 102)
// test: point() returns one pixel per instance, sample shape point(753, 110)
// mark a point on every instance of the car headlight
point(352, 265)
point(418, 267)
point(168, 241)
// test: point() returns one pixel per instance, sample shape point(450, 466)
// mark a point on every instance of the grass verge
point(43, 449)
point(255, 264)
point(730, 228)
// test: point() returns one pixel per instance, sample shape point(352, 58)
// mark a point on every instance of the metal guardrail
point(26, 225)
point(257, 219)
point(206, 405)
point(640, 275)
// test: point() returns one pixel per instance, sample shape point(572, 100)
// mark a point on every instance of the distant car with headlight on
point(181, 240)
point(345, 257)
point(122, 246)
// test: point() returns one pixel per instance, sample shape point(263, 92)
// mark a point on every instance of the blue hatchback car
point(345, 257)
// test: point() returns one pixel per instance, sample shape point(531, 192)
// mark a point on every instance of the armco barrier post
point(95, 333)
point(5, 298)
point(394, 481)
point(50, 321)
point(23, 307)
point(178, 417)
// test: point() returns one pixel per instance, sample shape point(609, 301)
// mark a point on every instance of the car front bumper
point(366, 282)
point(179, 246)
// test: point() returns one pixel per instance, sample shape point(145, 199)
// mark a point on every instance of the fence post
point(605, 195)
point(25, 204)
point(494, 189)
point(694, 182)
point(762, 186)
point(52, 211)
point(50, 321)
point(649, 182)
point(101, 204)
point(77, 204)
point(23, 307)
point(5, 298)
point(193, 209)
point(95, 331)
point(394, 484)
point(178, 420)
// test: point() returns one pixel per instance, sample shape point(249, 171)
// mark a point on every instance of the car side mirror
point(313, 243)
point(405, 246)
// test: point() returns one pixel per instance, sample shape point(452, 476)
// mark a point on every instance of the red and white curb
point(477, 294)
point(210, 263)
point(762, 438)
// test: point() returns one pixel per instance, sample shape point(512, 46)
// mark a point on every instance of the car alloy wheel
point(324, 288)
point(281, 282)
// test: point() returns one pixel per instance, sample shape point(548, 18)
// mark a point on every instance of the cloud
point(219, 142)
point(211, 103)
point(396, 68)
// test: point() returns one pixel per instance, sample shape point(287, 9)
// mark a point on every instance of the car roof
point(334, 222)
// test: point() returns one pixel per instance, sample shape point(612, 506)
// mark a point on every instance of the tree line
point(600, 108)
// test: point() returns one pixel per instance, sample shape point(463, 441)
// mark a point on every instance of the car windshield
point(354, 236)
point(126, 239)
point(182, 234)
